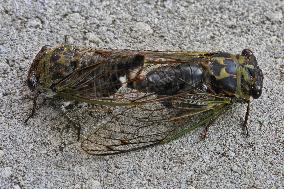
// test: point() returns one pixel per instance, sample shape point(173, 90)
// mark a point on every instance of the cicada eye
point(256, 91)
point(247, 53)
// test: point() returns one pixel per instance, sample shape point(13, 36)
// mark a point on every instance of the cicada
point(148, 97)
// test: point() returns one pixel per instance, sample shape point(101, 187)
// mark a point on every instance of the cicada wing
point(144, 125)
point(129, 129)
point(101, 78)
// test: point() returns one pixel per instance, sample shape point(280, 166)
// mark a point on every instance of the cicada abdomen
point(169, 79)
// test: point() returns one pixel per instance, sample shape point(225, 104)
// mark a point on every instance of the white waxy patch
point(66, 103)
point(123, 80)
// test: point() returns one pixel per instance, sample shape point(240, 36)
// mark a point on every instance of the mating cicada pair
point(152, 97)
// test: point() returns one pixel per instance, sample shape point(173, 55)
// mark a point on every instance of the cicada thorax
point(223, 73)
point(229, 75)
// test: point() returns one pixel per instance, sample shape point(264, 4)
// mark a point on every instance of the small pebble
point(275, 16)
point(92, 37)
point(143, 28)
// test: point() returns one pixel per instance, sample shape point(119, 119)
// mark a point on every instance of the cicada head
point(236, 75)
point(251, 75)
point(36, 72)
point(49, 67)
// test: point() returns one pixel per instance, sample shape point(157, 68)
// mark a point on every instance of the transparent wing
point(140, 126)
point(99, 76)
point(139, 119)
point(102, 79)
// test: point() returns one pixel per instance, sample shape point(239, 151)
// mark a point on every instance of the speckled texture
point(31, 155)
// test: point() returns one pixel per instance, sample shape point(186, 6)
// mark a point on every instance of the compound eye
point(247, 53)
point(256, 92)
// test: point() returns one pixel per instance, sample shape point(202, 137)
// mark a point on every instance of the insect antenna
point(36, 94)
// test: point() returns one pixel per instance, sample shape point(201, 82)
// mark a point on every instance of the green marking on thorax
point(241, 71)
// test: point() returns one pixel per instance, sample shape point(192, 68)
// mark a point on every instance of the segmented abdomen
point(169, 79)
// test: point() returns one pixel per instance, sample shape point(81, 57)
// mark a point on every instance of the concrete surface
point(31, 155)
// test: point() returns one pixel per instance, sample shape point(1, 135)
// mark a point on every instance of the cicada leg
point(245, 127)
point(34, 107)
point(73, 124)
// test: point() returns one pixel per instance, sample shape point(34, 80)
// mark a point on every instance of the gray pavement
point(31, 155)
